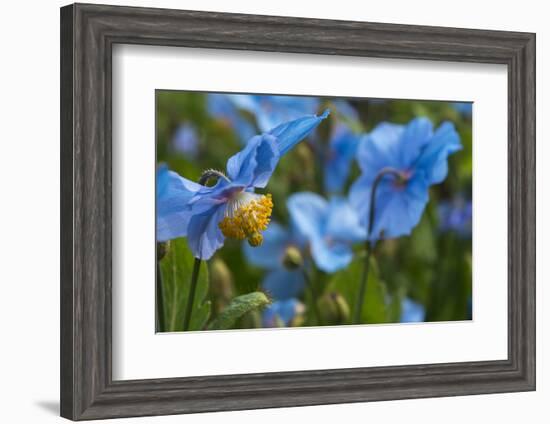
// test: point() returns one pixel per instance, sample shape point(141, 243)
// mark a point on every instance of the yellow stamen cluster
point(247, 219)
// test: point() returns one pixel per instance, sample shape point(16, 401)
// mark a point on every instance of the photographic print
point(278, 211)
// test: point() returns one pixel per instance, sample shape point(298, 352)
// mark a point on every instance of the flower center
point(246, 215)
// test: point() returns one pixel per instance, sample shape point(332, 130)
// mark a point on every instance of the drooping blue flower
point(281, 312)
point(330, 228)
point(222, 108)
point(464, 108)
point(340, 154)
point(419, 155)
point(186, 140)
point(456, 216)
point(412, 311)
point(273, 110)
point(281, 281)
point(230, 208)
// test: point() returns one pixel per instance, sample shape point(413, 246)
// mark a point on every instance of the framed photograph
point(263, 212)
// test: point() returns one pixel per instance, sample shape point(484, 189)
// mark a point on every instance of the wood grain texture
point(88, 33)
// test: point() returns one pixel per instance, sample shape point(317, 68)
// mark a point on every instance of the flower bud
point(292, 258)
point(333, 308)
point(162, 249)
point(221, 284)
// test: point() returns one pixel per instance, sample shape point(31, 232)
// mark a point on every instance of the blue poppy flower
point(412, 311)
point(230, 208)
point(341, 152)
point(330, 228)
point(222, 108)
point(456, 216)
point(271, 111)
point(281, 281)
point(281, 312)
point(464, 108)
point(418, 155)
point(186, 141)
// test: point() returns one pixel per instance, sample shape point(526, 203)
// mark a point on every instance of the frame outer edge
point(529, 123)
point(67, 375)
point(87, 34)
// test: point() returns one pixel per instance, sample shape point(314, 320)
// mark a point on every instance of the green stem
point(362, 287)
point(313, 292)
point(191, 297)
point(370, 246)
point(160, 300)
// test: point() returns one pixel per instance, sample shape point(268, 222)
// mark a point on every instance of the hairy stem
point(191, 297)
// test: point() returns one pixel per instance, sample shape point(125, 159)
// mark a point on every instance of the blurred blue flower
point(419, 155)
point(456, 216)
point(281, 312)
point(330, 228)
point(412, 311)
point(230, 208)
point(345, 109)
point(222, 108)
point(341, 152)
point(186, 141)
point(271, 111)
point(280, 282)
point(465, 108)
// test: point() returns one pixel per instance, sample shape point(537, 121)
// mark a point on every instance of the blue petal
point(359, 197)
point(173, 194)
point(284, 284)
point(270, 253)
point(412, 311)
point(308, 212)
point(342, 150)
point(285, 310)
point(379, 149)
point(204, 236)
point(398, 210)
point(271, 111)
point(290, 133)
point(254, 165)
point(343, 222)
point(186, 140)
point(330, 255)
point(243, 101)
point(433, 159)
point(456, 216)
point(221, 107)
point(464, 108)
point(416, 135)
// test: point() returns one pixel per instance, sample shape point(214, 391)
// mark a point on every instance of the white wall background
point(29, 211)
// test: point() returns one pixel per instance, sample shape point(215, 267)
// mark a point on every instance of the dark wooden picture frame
point(88, 33)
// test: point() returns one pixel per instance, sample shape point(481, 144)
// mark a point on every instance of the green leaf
point(237, 308)
point(347, 281)
point(423, 241)
point(176, 268)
